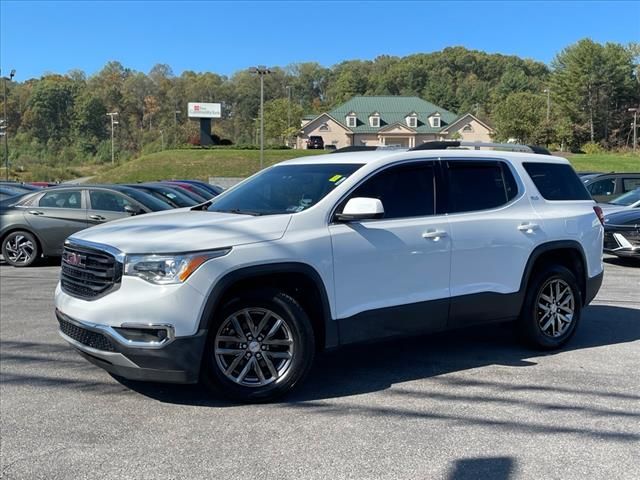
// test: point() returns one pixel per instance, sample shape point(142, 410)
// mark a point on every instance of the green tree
point(281, 119)
point(521, 116)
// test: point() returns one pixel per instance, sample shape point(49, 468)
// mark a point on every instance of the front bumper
point(176, 360)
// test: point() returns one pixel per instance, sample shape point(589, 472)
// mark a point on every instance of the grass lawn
point(605, 162)
point(196, 164)
point(202, 164)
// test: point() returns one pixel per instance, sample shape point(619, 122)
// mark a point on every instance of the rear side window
point(629, 184)
point(556, 181)
point(479, 185)
point(62, 199)
point(602, 187)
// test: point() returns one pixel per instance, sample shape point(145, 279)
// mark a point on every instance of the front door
point(392, 274)
point(105, 206)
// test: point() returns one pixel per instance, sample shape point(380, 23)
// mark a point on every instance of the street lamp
point(5, 125)
point(261, 71)
point(635, 127)
point(548, 92)
point(114, 122)
point(288, 88)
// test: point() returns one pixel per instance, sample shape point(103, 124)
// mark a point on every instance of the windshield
point(628, 198)
point(283, 189)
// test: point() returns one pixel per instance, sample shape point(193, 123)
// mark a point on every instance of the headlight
point(168, 269)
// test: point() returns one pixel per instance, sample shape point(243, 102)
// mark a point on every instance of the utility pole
point(635, 127)
point(288, 107)
point(5, 125)
point(162, 139)
point(261, 70)
point(114, 122)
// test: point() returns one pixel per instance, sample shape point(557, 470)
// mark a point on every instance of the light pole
point(288, 87)
point(548, 92)
point(635, 127)
point(162, 139)
point(261, 70)
point(6, 125)
point(114, 122)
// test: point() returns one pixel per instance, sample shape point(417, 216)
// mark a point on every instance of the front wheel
point(552, 308)
point(260, 346)
point(20, 249)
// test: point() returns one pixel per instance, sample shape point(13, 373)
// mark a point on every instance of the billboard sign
point(204, 110)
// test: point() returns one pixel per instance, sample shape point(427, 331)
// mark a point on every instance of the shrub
point(591, 148)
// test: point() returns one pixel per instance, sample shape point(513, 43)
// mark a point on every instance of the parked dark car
point(214, 189)
point(23, 186)
point(315, 142)
point(171, 195)
point(623, 202)
point(607, 186)
point(622, 233)
point(8, 191)
point(38, 224)
point(195, 192)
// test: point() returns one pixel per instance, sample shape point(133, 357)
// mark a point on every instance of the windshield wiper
point(238, 212)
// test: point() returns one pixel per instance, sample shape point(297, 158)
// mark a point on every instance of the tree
point(521, 116)
point(281, 119)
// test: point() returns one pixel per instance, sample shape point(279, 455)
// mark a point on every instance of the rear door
point(106, 205)
point(493, 232)
point(56, 215)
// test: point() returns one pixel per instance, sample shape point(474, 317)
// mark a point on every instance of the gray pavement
point(462, 405)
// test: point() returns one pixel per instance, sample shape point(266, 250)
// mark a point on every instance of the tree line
point(582, 96)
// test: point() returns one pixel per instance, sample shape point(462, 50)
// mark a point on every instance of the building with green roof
point(390, 120)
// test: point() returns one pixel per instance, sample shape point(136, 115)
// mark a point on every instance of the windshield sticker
point(340, 181)
point(335, 178)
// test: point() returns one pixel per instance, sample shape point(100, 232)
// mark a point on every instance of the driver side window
point(404, 190)
point(602, 187)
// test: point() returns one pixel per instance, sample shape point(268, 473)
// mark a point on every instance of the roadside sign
point(204, 110)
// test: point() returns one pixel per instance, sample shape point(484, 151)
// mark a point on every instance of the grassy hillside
point(202, 164)
point(196, 164)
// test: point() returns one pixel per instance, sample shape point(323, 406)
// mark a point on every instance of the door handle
point(528, 227)
point(36, 212)
point(97, 217)
point(434, 235)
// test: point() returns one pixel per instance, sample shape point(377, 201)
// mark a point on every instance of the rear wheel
point(260, 346)
point(552, 308)
point(20, 249)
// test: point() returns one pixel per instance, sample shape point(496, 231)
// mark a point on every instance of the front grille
point(86, 337)
point(87, 273)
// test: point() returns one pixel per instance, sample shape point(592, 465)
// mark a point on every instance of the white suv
point(319, 252)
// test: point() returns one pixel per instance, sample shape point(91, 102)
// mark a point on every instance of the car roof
point(626, 215)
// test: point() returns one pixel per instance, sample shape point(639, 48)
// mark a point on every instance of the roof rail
point(514, 147)
point(366, 148)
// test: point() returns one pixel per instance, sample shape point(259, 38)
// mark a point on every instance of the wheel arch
point(568, 253)
point(299, 280)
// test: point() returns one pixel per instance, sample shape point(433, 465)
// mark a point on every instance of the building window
point(412, 122)
point(467, 128)
point(374, 121)
point(324, 127)
point(435, 122)
point(351, 121)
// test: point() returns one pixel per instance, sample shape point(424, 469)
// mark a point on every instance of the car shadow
point(376, 367)
point(623, 262)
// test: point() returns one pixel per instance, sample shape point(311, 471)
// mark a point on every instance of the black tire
point(532, 320)
point(28, 245)
point(298, 331)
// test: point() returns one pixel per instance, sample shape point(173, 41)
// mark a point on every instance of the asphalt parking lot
point(462, 405)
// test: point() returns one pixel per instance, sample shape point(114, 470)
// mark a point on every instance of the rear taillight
point(599, 214)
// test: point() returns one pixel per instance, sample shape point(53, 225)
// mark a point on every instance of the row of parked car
point(36, 220)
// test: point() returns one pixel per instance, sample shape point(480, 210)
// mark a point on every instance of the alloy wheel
point(19, 249)
point(254, 347)
point(555, 308)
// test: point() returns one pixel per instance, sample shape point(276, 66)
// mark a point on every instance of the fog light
point(146, 334)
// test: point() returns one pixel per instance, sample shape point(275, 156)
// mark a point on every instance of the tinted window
point(405, 190)
point(61, 199)
point(630, 183)
point(556, 181)
point(602, 187)
point(107, 201)
point(479, 185)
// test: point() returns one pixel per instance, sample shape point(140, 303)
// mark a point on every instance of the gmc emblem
point(74, 259)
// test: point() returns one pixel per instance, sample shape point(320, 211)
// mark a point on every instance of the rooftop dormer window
point(352, 120)
point(434, 120)
point(374, 120)
point(412, 120)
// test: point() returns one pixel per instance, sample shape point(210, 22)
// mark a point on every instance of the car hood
point(184, 230)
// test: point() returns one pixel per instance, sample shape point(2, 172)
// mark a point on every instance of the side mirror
point(361, 208)
point(130, 210)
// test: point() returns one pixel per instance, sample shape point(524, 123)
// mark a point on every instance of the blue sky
point(40, 37)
